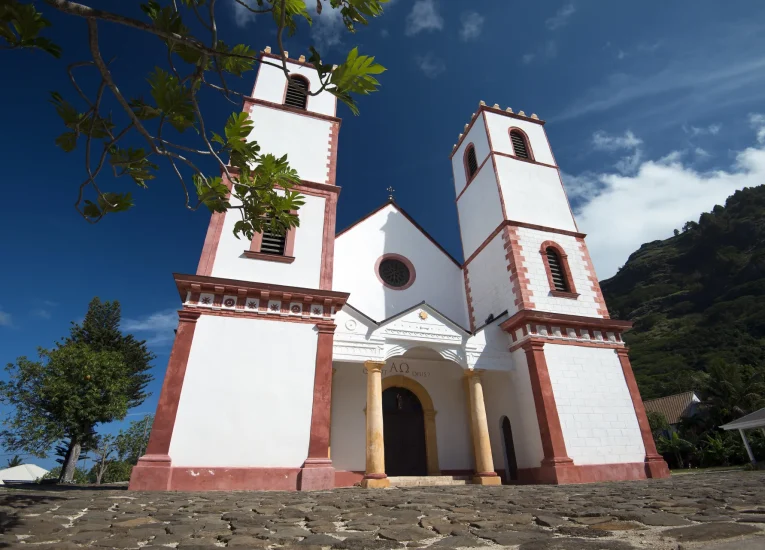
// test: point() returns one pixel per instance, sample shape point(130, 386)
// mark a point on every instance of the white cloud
point(157, 328)
point(327, 28)
point(547, 51)
point(561, 18)
point(472, 25)
point(603, 142)
point(41, 313)
point(430, 65)
point(718, 80)
point(243, 16)
point(5, 318)
point(384, 33)
point(701, 153)
point(620, 212)
point(693, 131)
point(757, 121)
point(423, 17)
point(528, 58)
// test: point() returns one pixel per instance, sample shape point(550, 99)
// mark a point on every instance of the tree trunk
point(70, 462)
point(679, 459)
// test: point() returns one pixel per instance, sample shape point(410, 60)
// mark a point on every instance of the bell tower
point(524, 255)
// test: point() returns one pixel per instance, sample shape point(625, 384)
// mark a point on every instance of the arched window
point(297, 88)
point(558, 272)
point(520, 144)
point(471, 162)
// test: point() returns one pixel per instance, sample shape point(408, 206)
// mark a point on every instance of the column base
point(375, 481)
point(152, 473)
point(487, 478)
point(317, 474)
point(656, 467)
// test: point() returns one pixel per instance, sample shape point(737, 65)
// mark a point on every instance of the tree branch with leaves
point(259, 186)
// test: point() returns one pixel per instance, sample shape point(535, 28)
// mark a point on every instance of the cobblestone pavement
point(711, 510)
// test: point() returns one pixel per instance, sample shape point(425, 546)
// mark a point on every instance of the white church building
point(318, 359)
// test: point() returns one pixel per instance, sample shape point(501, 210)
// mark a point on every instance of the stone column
point(655, 466)
point(748, 448)
point(375, 477)
point(317, 471)
point(484, 464)
point(153, 471)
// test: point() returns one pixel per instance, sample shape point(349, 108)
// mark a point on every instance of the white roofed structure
point(24, 472)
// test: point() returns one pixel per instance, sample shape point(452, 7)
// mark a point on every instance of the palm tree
point(731, 391)
point(15, 461)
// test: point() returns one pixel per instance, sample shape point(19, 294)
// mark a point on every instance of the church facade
point(318, 359)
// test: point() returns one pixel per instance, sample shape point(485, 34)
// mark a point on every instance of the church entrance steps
point(427, 481)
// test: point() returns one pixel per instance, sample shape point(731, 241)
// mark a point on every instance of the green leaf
point(143, 110)
point(165, 18)
point(292, 9)
point(134, 163)
point(238, 65)
point(173, 99)
point(65, 110)
point(67, 141)
point(21, 24)
point(355, 76)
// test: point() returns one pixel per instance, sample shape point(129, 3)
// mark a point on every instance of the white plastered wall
point(499, 131)
point(305, 271)
point(305, 140)
point(246, 405)
point(479, 209)
point(531, 242)
point(477, 136)
point(443, 382)
point(438, 280)
point(534, 194)
point(491, 291)
point(271, 82)
point(594, 405)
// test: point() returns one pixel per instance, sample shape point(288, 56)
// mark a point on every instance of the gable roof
point(751, 420)
point(673, 407)
point(403, 212)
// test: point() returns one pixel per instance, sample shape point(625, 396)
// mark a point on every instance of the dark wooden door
point(512, 466)
point(404, 433)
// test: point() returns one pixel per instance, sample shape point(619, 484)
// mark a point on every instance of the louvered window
point(556, 270)
point(273, 243)
point(471, 162)
point(295, 97)
point(520, 147)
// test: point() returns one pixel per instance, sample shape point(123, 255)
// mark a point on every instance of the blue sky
point(653, 109)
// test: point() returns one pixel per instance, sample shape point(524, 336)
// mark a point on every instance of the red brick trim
point(328, 242)
point(523, 318)
point(344, 478)
point(526, 139)
point(318, 472)
point(586, 473)
point(268, 257)
point(654, 463)
point(481, 109)
point(250, 102)
point(553, 444)
point(471, 180)
point(153, 469)
point(334, 136)
point(212, 238)
point(316, 189)
point(406, 262)
point(518, 278)
point(593, 278)
point(468, 296)
point(508, 155)
point(581, 343)
point(205, 478)
point(563, 257)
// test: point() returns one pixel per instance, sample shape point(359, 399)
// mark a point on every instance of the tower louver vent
point(472, 162)
point(556, 270)
point(519, 145)
point(295, 97)
point(273, 243)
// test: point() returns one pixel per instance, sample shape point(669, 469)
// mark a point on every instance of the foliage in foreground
point(128, 136)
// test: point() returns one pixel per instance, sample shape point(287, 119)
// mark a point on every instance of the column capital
point(326, 328)
point(532, 345)
point(474, 373)
point(623, 352)
point(188, 316)
point(374, 366)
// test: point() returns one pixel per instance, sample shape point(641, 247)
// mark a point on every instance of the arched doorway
point(511, 466)
point(404, 433)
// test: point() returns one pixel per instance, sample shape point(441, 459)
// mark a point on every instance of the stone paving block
point(401, 534)
point(709, 531)
point(575, 544)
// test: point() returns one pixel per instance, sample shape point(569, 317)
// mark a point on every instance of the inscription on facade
point(402, 368)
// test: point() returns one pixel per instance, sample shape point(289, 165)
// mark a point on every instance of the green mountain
point(697, 296)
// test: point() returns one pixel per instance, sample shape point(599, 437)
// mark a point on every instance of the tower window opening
point(297, 89)
point(471, 162)
point(556, 270)
point(273, 243)
point(520, 146)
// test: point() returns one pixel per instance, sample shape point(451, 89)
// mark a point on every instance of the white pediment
point(423, 324)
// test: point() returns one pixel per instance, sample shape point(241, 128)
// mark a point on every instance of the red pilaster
point(556, 460)
point(152, 473)
point(317, 472)
point(655, 466)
